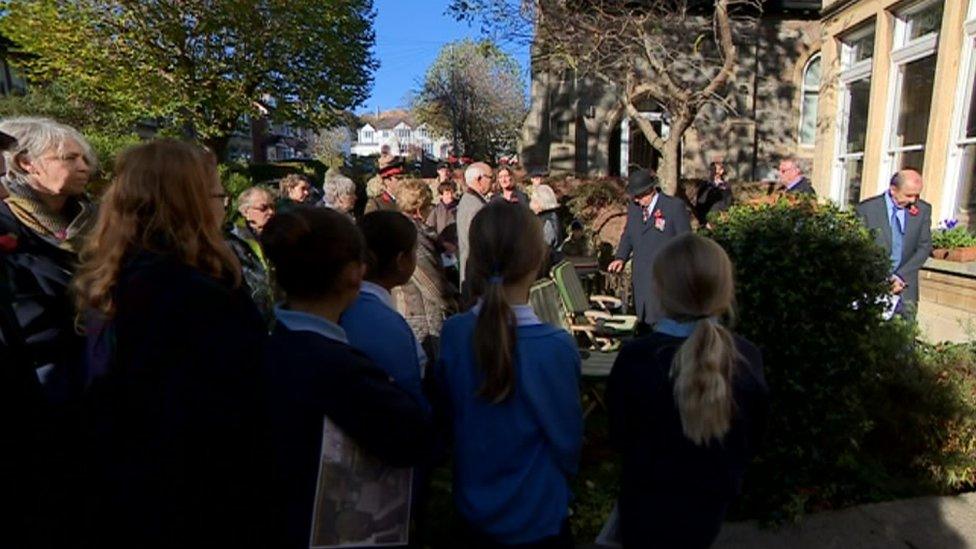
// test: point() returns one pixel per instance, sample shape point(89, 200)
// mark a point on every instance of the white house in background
point(399, 130)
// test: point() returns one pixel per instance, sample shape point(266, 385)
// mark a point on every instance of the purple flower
point(949, 223)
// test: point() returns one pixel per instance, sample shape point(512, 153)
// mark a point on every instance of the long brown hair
point(159, 201)
point(506, 246)
point(693, 281)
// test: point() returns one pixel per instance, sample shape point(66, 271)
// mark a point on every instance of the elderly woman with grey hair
point(546, 206)
point(339, 193)
point(44, 217)
point(256, 206)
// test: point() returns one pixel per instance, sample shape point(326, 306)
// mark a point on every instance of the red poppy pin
point(913, 210)
point(659, 219)
point(8, 243)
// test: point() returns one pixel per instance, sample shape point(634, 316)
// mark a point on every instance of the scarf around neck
point(60, 228)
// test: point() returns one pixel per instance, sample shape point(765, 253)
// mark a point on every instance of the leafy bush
point(589, 197)
point(809, 286)
point(951, 235)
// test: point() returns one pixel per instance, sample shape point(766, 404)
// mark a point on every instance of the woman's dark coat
point(179, 418)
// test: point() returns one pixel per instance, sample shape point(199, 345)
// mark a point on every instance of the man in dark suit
point(901, 223)
point(653, 218)
point(792, 179)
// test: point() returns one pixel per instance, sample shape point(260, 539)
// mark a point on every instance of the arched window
point(810, 90)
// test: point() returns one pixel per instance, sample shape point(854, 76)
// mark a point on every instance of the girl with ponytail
point(511, 384)
point(688, 404)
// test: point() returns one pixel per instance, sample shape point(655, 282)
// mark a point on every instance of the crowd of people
point(167, 377)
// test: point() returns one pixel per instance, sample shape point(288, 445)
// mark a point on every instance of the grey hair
point(473, 171)
point(337, 186)
point(36, 136)
point(544, 197)
point(246, 198)
point(795, 161)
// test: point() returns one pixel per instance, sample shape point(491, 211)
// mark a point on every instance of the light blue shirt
point(384, 296)
point(674, 328)
point(524, 314)
point(896, 248)
point(298, 321)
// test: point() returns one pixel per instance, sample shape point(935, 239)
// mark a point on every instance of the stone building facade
point(577, 125)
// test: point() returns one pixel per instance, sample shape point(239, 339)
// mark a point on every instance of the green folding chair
point(595, 316)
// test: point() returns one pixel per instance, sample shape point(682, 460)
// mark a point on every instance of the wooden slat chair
point(595, 316)
point(545, 301)
point(548, 306)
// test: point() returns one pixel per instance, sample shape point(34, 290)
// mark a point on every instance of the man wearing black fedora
point(653, 218)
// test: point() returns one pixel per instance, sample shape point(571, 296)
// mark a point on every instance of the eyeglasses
point(224, 197)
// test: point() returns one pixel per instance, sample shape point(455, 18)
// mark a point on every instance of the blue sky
point(409, 35)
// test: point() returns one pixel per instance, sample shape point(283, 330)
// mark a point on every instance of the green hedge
point(859, 412)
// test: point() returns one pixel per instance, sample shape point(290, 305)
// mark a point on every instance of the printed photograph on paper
point(359, 501)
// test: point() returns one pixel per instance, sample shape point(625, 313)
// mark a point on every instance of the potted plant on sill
point(952, 242)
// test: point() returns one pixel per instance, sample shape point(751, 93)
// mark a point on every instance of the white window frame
point(804, 90)
point(904, 51)
point(851, 72)
point(960, 116)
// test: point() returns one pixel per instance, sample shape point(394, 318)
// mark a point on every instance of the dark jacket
point(43, 381)
point(916, 244)
point(313, 377)
point(39, 275)
point(803, 187)
point(644, 240)
point(254, 267)
point(520, 198)
point(712, 198)
point(178, 412)
point(672, 492)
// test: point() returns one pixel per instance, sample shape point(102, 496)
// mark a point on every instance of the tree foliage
point(672, 55)
point(473, 92)
point(199, 65)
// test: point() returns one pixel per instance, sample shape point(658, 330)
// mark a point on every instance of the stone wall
point(947, 308)
point(572, 121)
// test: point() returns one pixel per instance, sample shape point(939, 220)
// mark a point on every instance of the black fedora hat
point(641, 182)
point(538, 171)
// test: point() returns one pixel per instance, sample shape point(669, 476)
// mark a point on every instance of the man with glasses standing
point(256, 205)
point(792, 179)
point(653, 218)
point(478, 179)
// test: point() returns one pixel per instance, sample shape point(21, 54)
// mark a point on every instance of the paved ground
point(923, 523)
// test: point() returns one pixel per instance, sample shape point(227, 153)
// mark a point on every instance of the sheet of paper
point(359, 501)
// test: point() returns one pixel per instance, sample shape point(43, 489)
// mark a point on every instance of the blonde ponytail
point(693, 279)
point(702, 371)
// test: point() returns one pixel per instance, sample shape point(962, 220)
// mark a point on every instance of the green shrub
point(955, 237)
point(589, 197)
point(847, 389)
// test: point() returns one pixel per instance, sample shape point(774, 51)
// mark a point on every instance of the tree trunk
point(218, 145)
point(669, 171)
